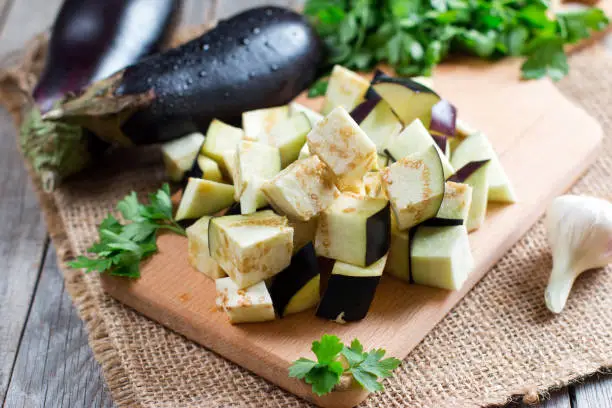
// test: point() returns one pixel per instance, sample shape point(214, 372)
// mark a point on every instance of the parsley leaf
point(318, 89)
point(325, 373)
point(121, 248)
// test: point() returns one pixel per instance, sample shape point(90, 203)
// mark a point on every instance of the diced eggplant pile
point(385, 180)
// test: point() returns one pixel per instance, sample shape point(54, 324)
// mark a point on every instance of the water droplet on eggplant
point(203, 74)
point(274, 68)
point(245, 41)
point(205, 47)
point(256, 30)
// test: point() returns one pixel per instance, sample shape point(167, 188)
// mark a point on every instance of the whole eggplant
point(260, 58)
point(92, 39)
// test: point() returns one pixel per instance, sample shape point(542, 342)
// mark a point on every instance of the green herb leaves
point(414, 36)
point(365, 367)
point(121, 247)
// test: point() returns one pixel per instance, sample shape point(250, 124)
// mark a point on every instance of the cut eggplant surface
point(456, 203)
point(350, 291)
point(443, 119)
point(415, 139)
point(415, 187)
point(378, 121)
point(475, 174)
point(344, 147)
point(179, 154)
point(398, 260)
point(220, 138)
point(355, 230)
point(313, 117)
point(205, 168)
point(383, 160)
point(204, 197)
point(302, 190)
point(409, 99)
point(198, 253)
point(289, 136)
point(228, 164)
point(296, 288)
point(251, 248)
point(441, 257)
point(259, 122)
point(303, 232)
point(345, 88)
point(477, 147)
point(241, 305)
point(304, 152)
point(373, 187)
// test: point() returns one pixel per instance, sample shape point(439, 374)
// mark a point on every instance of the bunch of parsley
point(121, 247)
point(413, 36)
point(325, 373)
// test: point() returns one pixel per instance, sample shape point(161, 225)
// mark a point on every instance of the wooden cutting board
point(545, 143)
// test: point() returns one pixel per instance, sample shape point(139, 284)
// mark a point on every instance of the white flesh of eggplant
point(304, 153)
point(220, 137)
point(255, 163)
point(456, 202)
point(345, 88)
point(302, 190)
point(198, 253)
point(303, 232)
point(407, 103)
point(241, 305)
point(314, 117)
point(261, 121)
point(204, 197)
point(398, 260)
point(305, 298)
point(479, 181)
point(178, 155)
point(381, 125)
point(210, 169)
point(289, 136)
point(441, 257)
point(372, 183)
point(344, 147)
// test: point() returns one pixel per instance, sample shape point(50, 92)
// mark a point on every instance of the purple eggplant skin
point(92, 39)
point(260, 58)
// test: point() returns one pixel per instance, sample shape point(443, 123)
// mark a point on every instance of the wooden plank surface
point(522, 120)
point(17, 289)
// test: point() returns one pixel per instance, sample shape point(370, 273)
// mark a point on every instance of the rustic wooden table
point(45, 360)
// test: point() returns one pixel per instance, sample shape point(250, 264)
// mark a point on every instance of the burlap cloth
point(499, 342)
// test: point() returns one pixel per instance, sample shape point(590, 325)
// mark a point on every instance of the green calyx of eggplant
point(55, 143)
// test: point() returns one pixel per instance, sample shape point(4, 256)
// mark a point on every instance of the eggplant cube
point(304, 232)
point(398, 260)
point(210, 169)
point(350, 291)
point(255, 163)
point(345, 88)
point(456, 202)
point(302, 190)
point(198, 253)
point(344, 147)
point(415, 187)
point(441, 257)
point(372, 183)
point(178, 155)
point(296, 108)
point(220, 137)
point(204, 197)
point(261, 121)
point(251, 248)
point(304, 153)
point(296, 288)
point(354, 229)
point(381, 124)
point(241, 305)
point(414, 139)
point(476, 174)
point(289, 136)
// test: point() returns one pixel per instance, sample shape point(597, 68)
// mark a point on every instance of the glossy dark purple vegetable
point(92, 39)
point(466, 171)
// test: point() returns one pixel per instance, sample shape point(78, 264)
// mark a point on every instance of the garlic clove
point(579, 231)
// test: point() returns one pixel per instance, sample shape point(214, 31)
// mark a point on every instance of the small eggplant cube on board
point(205, 168)
point(302, 190)
point(456, 203)
point(296, 108)
point(372, 183)
point(178, 155)
point(198, 253)
point(241, 305)
point(251, 248)
point(296, 288)
point(414, 139)
point(378, 121)
point(204, 197)
point(345, 88)
point(441, 257)
point(476, 175)
point(255, 163)
point(415, 187)
point(228, 164)
point(398, 260)
point(344, 147)
point(289, 136)
point(354, 229)
point(220, 138)
point(477, 147)
point(261, 121)
point(350, 291)
point(409, 99)
point(303, 232)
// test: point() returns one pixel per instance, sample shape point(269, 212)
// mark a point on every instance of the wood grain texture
point(596, 392)
point(196, 12)
point(522, 120)
point(27, 18)
point(55, 366)
point(227, 8)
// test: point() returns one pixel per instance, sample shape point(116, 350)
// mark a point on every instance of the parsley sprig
point(121, 247)
point(413, 36)
point(325, 373)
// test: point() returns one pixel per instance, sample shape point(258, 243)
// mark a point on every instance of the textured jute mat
point(499, 342)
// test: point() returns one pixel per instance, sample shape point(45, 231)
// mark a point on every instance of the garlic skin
point(579, 231)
